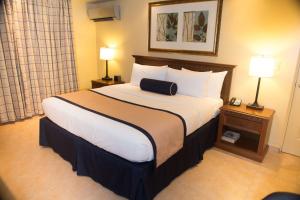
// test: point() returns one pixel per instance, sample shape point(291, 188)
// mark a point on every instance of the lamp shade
point(106, 53)
point(261, 66)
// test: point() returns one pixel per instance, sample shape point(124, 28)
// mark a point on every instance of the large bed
point(118, 155)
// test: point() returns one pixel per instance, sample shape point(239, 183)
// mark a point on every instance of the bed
point(115, 155)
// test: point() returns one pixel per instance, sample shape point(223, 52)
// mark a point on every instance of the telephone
point(235, 102)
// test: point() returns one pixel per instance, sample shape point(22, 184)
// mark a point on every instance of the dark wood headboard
point(192, 65)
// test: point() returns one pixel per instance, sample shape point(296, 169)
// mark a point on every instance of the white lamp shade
point(261, 66)
point(106, 53)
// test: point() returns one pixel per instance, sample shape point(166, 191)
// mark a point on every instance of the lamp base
point(106, 78)
point(255, 106)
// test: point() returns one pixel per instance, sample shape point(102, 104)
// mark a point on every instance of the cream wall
point(85, 45)
point(249, 27)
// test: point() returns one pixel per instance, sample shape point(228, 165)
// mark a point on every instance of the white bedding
point(119, 138)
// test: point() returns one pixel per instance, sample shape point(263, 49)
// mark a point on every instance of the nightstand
point(254, 128)
point(101, 83)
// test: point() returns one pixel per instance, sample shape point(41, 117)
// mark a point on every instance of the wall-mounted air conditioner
point(103, 10)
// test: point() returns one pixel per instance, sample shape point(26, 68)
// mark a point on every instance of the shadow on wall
point(5, 193)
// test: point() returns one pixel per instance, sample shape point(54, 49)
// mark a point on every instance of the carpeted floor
point(31, 172)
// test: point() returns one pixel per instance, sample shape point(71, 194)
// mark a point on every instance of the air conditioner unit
point(103, 10)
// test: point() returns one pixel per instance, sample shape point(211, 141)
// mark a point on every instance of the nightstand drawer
point(243, 122)
point(97, 85)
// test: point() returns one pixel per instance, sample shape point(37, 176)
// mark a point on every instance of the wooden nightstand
point(254, 128)
point(101, 83)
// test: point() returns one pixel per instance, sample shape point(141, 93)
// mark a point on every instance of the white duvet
point(119, 138)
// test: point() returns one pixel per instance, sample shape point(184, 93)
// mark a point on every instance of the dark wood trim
point(217, 31)
point(192, 65)
point(218, 26)
point(161, 3)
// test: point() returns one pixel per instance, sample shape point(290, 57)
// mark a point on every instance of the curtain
point(36, 55)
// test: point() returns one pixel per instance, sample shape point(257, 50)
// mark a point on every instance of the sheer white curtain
point(36, 55)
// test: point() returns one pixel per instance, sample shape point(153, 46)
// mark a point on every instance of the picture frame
point(185, 26)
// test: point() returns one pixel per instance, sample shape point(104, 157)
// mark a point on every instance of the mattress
point(121, 139)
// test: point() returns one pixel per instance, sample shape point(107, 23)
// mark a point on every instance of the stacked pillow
point(215, 83)
point(147, 71)
point(190, 83)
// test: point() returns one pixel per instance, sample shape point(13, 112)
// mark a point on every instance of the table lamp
point(260, 66)
point(106, 54)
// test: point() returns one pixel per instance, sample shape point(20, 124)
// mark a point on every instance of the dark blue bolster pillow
point(157, 86)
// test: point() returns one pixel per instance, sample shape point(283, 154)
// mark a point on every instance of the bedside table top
point(266, 113)
point(111, 82)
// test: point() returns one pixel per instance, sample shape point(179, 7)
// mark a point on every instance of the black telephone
point(235, 102)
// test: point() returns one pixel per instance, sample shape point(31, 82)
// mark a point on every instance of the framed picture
point(185, 26)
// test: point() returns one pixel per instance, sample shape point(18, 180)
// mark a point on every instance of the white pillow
point(215, 83)
point(147, 71)
point(189, 83)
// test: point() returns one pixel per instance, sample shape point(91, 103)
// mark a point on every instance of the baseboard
point(274, 149)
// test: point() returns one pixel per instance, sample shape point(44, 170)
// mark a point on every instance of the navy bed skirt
point(135, 181)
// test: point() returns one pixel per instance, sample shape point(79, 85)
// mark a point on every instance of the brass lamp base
point(255, 106)
point(106, 78)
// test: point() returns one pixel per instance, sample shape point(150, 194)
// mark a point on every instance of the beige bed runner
point(165, 130)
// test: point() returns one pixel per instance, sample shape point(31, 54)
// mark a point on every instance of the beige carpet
point(31, 172)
